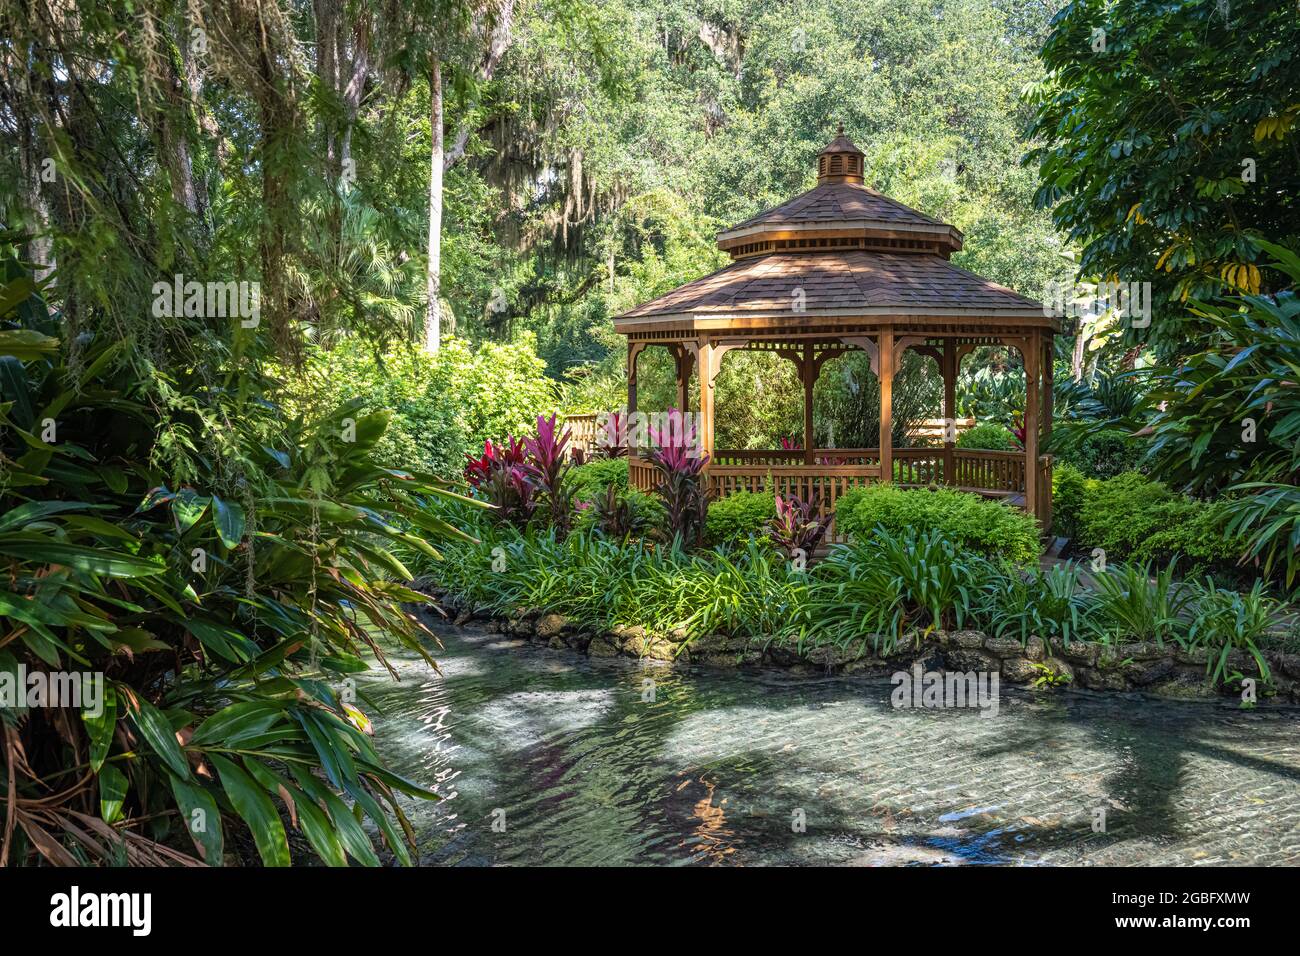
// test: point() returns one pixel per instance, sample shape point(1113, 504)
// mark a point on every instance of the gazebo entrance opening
point(844, 270)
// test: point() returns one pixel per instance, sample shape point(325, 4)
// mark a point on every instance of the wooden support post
point(949, 372)
point(633, 350)
point(707, 368)
point(682, 358)
point(1031, 349)
point(808, 372)
point(1049, 400)
point(886, 373)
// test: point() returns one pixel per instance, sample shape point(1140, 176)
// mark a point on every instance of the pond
point(546, 757)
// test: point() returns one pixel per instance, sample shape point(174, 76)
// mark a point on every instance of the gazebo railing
point(994, 474)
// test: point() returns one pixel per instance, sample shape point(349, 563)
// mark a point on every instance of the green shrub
point(589, 481)
point(1132, 517)
point(970, 521)
point(989, 436)
point(1069, 493)
point(442, 406)
point(738, 517)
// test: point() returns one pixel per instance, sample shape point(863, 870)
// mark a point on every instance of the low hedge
point(1132, 517)
point(739, 516)
point(968, 520)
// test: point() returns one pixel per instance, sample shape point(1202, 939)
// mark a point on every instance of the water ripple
point(548, 758)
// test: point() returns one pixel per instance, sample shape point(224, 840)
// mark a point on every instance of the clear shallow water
point(714, 770)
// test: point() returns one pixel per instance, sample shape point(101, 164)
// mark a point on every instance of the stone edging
point(1168, 672)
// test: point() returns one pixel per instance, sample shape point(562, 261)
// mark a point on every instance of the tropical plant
point(1231, 418)
point(989, 436)
point(224, 611)
point(1224, 621)
point(549, 465)
point(799, 525)
point(501, 474)
point(1136, 604)
point(736, 518)
point(1034, 603)
point(1170, 195)
point(682, 483)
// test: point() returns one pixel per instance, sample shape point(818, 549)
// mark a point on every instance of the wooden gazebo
point(837, 268)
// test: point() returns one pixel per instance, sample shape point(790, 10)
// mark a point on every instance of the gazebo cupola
point(837, 268)
point(840, 161)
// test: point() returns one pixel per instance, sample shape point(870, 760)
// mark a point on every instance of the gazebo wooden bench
point(838, 268)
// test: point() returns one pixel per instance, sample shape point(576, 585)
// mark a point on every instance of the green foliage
point(1102, 454)
point(989, 436)
point(224, 567)
point(1132, 604)
point(868, 595)
point(738, 517)
point(1231, 418)
point(1032, 603)
point(443, 406)
point(1132, 517)
point(1159, 193)
point(589, 480)
point(968, 520)
point(1096, 418)
point(1069, 495)
point(1225, 621)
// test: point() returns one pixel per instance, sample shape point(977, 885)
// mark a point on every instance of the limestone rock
point(970, 660)
point(967, 639)
point(832, 655)
point(1142, 673)
point(601, 646)
point(1019, 670)
point(1077, 652)
point(1003, 646)
point(1092, 678)
point(551, 625)
point(1141, 651)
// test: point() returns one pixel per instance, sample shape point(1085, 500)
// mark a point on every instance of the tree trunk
point(433, 312)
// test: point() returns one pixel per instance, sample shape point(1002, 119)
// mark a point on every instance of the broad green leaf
point(201, 818)
point(188, 506)
point(46, 550)
point(100, 728)
point(112, 792)
point(157, 730)
point(229, 521)
point(255, 809)
point(230, 725)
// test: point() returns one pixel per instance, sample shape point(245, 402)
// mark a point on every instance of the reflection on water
point(723, 767)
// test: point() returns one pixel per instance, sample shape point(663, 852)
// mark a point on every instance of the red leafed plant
point(791, 444)
point(611, 438)
point(677, 458)
point(1018, 428)
point(549, 465)
point(798, 525)
point(503, 477)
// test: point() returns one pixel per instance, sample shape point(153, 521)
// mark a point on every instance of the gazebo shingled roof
point(839, 267)
point(837, 283)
